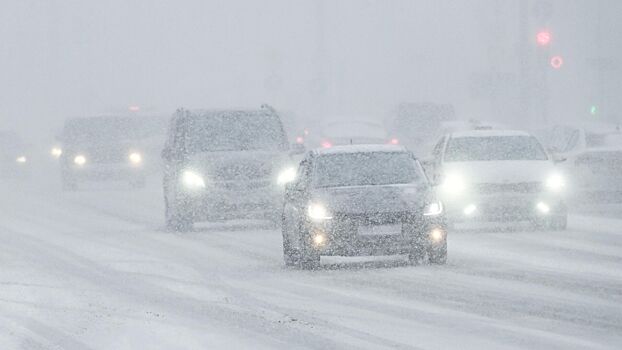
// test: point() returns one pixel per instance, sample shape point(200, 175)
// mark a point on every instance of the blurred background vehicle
point(348, 131)
point(361, 200)
point(226, 164)
point(122, 148)
point(498, 175)
point(418, 125)
point(15, 156)
point(593, 154)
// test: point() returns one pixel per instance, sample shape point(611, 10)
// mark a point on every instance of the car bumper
point(104, 172)
point(504, 207)
point(347, 240)
point(215, 203)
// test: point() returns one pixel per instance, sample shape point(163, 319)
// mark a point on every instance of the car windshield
point(370, 168)
point(235, 132)
point(464, 149)
point(104, 130)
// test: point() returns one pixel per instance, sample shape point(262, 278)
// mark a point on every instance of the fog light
point(436, 235)
point(469, 210)
point(543, 208)
point(79, 160)
point(319, 239)
point(135, 158)
point(56, 152)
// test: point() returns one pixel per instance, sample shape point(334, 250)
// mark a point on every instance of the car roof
point(213, 112)
point(359, 149)
point(488, 133)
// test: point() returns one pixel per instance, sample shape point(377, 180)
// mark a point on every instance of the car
point(498, 175)
point(351, 132)
point(14, 156)
point(593, 153)
point(418, 125)
point(226, 164)
point(105, 148)
point(361, 200)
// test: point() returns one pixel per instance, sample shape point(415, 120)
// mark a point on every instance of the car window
point(366, 168)
point(489, 148)
point(235, 131)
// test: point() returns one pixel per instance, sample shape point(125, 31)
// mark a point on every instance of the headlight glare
point(287, 175)
point(192, 180)
point(79, 160)
point(453, 184)
point(135, 158)
point(317, 211)
point(21, 159)
point(433, 209)
point(56, 152)
point(555, 183)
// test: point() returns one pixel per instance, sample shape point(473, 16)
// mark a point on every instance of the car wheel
point(289, 253)
point(438, 255)
point(416, 255)
point(177, 221)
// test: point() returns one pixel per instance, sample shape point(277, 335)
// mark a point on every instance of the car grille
point(242, 185)
point(242, 171)
point(521, 187)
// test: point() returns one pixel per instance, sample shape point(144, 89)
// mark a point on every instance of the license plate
point(380, 230)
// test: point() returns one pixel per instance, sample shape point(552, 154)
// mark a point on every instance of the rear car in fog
point(351, 132)
point(593, 154)
point(15, 160)
point(498, 175)
point(361, 200)
point(223, 165)
point(106, 148)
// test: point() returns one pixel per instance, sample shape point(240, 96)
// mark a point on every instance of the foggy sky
point(77, 58)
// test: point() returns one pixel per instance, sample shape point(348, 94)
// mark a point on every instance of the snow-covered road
point(94, 270)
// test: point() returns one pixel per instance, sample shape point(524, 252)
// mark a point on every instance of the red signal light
point(557, 62)
point(394, 141)
point(326, 144)
point(543, 38)
point(300, 140)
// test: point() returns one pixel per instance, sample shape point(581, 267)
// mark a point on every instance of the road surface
point(95, 270)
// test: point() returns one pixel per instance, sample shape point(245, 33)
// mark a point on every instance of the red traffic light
point(543, 38)
point(557, 62)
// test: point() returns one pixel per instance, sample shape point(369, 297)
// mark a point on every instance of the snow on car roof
point(359, 149)
point(488, 133)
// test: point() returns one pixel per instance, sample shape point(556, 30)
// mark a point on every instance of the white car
point(498, 175)
point(593, 153)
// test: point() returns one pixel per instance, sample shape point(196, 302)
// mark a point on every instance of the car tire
point(438, 256)
point(177, 221)
point(416, 255)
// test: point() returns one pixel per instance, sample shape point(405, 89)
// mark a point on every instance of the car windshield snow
point(370, 168)
point(103, 130)
point(490, 148)
point(235, 132)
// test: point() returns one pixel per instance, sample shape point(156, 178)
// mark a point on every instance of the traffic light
point(543, 38)
point(557, 62)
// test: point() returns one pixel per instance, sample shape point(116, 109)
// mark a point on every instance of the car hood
point(372, 199)
point(238, 165)
point(501, 172)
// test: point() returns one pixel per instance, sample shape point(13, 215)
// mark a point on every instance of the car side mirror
point(297, 148)
point(558, 158)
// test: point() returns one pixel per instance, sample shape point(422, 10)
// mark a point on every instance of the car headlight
point(21, 159)
point(286, 175)
point(317, 211)
point(555, 183)
point(453, 184)
point(79, 160)
point(433, 209)
point(56, 152)
point(135, 158)
point(192, 180)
